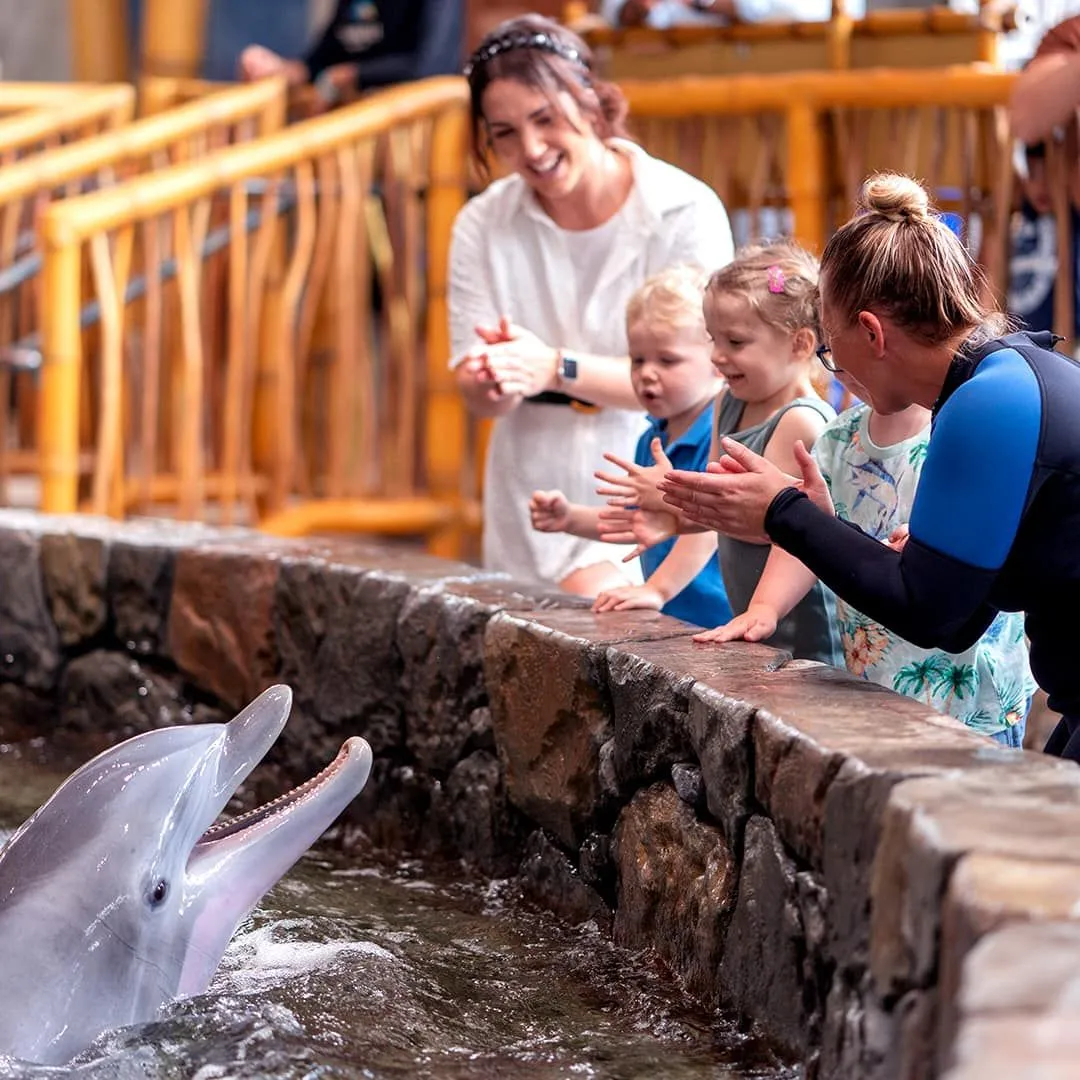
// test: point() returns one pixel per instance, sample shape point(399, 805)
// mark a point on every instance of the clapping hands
point(639, 486)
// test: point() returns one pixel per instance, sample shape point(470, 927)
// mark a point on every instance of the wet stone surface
point(836, 863)
point(676, 886)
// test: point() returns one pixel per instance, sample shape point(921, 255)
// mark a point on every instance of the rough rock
point(929, 824)
point(74, 569)
point(676, 886)
point(221, 622)
point(29, 643)
point(549, 879)
point(688, 784)
point(719, 731)
point(441, 641)
point(987, 892)
point(549, 743)
point(763, 977)
point(1020, 1004)
point(120, 692)
point(139, 591)
point(336, 635)
point(472, 818)
point(649, 707)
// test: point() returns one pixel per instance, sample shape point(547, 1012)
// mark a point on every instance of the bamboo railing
point(77, 117)
point(305, 410)
point(233, 115)
point(929, 37)
point(17, 97)
point(289, 400)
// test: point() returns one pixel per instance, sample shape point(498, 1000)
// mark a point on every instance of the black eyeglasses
point(824, 354)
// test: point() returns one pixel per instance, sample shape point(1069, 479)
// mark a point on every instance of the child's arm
point(688, 557)
point(783, 583)
point(551, 511)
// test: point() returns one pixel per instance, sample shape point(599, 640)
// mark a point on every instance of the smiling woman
point(997, 510)
point(542, 265)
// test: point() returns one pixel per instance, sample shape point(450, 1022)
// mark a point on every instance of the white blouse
point(508, 257)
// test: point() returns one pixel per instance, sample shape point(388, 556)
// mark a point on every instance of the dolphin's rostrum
point(120, 894)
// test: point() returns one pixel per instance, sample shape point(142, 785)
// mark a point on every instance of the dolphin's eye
point(159, 892)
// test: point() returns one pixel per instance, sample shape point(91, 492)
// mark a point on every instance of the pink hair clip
point(776, 279)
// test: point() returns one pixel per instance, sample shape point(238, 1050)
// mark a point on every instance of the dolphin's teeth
point(295, 795)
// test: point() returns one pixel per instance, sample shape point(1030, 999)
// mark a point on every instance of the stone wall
point(884, 893)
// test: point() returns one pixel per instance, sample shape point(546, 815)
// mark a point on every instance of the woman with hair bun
point(996, 515)
point(542, 265)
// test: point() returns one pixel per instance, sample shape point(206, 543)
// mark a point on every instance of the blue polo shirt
point(704, 601)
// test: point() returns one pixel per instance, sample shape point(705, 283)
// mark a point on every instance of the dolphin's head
point(120, 893)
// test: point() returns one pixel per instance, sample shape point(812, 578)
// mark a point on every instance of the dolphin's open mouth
point(351, 751)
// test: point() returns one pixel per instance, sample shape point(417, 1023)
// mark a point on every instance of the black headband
point(523, 39)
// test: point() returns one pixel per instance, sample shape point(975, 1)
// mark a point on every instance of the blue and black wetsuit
point(995, 525)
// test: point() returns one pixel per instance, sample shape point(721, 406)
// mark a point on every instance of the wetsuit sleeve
point(972, 495)
point(328, 51)
point(438, 49)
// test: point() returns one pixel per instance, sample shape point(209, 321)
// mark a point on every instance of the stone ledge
point(833, 860)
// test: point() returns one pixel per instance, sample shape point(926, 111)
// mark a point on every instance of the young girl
point(761, 313)
point(871, 463)
point(673, 378)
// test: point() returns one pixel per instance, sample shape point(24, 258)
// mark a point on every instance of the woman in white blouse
point(542, 264)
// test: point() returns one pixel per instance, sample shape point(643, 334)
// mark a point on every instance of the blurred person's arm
point(438, 50)
point(1047, 92)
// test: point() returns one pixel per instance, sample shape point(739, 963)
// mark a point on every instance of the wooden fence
point(29, 186)
point(309, 389)
point(296, 380)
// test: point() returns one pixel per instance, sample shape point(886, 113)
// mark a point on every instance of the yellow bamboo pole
point(16, 96)
point(173, 37)
point(61, 337)
point(109, 106)
point(262, 101)
point(99, 40)
point(144, 196)
point(446, 425)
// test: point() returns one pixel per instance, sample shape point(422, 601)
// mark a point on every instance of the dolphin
point(120, 893)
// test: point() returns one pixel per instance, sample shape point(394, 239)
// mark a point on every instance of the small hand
point(549, 511)
point(639, 486)
point(644, 528)
point(898, 538)
point(630, 598)
point(757, 623)
point(734, 497)
point(259, 62)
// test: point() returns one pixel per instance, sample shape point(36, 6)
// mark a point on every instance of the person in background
point(673, 377)
point(871, 462)
point(542, 265)
point(662, 14)
point(995, 515)
point(761, 311)
point(1042, 110)
point(370, 44)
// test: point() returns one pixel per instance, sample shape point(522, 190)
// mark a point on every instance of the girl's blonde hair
point(672, 298)
point(778, 279)
point(896, 256)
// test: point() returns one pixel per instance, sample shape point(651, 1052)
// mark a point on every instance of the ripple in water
point(381, 974)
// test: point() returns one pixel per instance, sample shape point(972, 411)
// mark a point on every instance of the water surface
point(377, 971)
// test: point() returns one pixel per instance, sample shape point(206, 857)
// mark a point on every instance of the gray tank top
point(810, 631)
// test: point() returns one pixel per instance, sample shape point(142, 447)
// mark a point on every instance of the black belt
point(554, 397)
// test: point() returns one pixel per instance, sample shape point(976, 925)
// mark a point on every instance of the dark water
point(384, 972)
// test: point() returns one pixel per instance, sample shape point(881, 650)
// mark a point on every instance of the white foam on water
point(263, 957)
